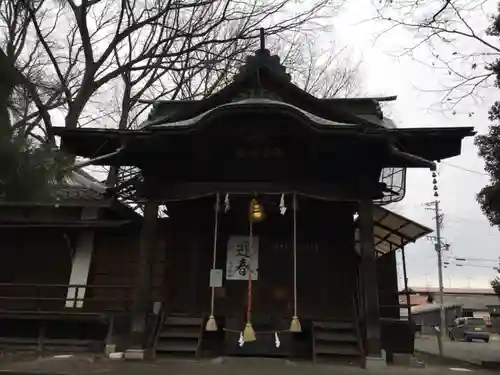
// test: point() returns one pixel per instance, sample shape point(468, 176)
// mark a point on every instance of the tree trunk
point(8, 76)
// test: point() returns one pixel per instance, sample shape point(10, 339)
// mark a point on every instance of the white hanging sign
point(215, 278)
point(240, 259)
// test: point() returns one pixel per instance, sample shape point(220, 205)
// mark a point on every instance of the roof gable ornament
point(263, 59)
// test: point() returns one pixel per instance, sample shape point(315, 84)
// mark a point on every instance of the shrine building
point(263, 230)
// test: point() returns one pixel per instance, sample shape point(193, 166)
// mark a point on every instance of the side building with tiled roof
point(51, 244)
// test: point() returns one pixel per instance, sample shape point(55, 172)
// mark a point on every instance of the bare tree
point(457, 36)
point(141, 41)
point(97, 60)
point(26, 92)
point(325, 73)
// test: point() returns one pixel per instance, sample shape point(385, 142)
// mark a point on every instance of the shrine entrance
point(269, 258)
point(324, 255)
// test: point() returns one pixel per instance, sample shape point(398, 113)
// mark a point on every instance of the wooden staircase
point(180, 335)
point(336, 340)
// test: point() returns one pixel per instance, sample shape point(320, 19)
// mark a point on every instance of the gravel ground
point(473, 352)
point(85, 364)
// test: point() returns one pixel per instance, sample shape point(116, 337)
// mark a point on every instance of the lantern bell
point(256, 211)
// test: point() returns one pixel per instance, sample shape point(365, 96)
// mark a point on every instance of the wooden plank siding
point(114, 264)
point(326, 270)
point(34, 256)
point(388, 286)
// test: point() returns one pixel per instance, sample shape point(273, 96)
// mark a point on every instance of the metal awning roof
point(392, 231)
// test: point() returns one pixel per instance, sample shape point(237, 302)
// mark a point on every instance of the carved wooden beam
point(191, 190)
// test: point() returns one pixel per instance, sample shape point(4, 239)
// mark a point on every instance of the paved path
point(473, 352)
point(79, 365)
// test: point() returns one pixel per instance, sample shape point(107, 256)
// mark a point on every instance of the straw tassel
point(211, 323)
point(248, 332)
point(295, 324)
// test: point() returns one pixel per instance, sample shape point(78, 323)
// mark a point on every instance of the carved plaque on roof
point(258, 146)
point(257, 93)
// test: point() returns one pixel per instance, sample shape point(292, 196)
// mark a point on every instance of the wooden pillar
point(407, 291)
point(370, 279)
point(142, 302)
point(82, 259)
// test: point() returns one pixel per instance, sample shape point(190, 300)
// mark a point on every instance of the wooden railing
point(66, 297)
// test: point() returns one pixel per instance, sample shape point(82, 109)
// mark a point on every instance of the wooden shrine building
point(262, 156)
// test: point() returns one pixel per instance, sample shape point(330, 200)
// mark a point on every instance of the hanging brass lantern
point(256, 211)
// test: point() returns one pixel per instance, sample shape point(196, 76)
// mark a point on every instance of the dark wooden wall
point(388, 286)
point(114, 268)
point(34, 256)
point(326, 277)
point(326, 270)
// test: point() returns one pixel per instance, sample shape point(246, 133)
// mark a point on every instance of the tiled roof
point(80, 187)
point(80, 193)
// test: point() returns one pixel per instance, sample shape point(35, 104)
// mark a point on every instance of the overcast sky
point(460, 178)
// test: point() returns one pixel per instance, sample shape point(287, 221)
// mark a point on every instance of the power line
point(469, 265)
point(465, 169)
point(467, 259)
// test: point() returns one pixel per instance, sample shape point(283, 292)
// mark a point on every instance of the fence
point(66, 297)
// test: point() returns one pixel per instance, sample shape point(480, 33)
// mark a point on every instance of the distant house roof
point(480, 291)
point(420, 309)
point(471, 302)
point(469, 299)
point(415, 300)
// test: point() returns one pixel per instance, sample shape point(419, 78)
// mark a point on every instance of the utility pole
point(438, 246)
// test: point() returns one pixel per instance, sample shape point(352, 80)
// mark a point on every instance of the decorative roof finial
point(262, 39)
point(263, 58)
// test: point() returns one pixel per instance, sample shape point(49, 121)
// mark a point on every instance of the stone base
point(135, 354)
point(217, 361)
point(109, 348)
point(407, 360)
point(401, 359)
point(416, 363)
point(376, 363)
